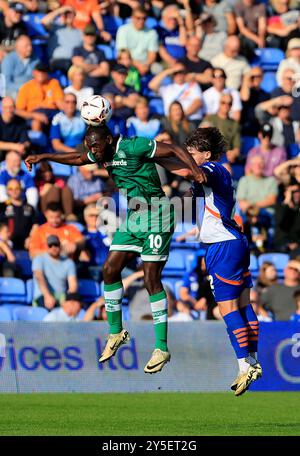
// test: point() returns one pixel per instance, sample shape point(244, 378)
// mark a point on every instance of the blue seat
point(4, 314)
point(34, 26)
point(247, 143)
point(10, 308)
point(111, 24)
point(29, 291)
point(268, 58)
point(24, 261)
point(109, 51)
point(293, 150)
point(279, 260)
point(175, 266)
point(178, 285)
point(170, 284)
point(29, 314)
point(89, 290)
point(156, 106)
point(269, 82)
point(12, 290)
point(60, 170)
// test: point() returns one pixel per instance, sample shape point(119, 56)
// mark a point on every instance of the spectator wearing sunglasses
point(53, 275)
point(292, 61)
point(229, 128)
point(212, 96)
point(141, 42)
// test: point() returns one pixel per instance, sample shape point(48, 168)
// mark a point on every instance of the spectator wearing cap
point(12, 170)
point(257, 191)
point(189, 94)
point(87, 12)
point(70, 310)
point(212, 96)
point(141, 124)
point(172, 35)
point(70, 237)
point(86, 187)
point(76, 76)
point(91, 60)
point(17, 66)
point(289, 86)
point(212, 41)
point(125, 97)
point(234, 65)
point(13, 130)
point(252, 25)
point(11, 26)
point(197, 69)
point(41, 97)
point(272, 155)
point(279, 297)
point(141, 41)
point(251, 95)
point(222, 14)
point(19, 216)
point(64, 37)
point(292, 60)
point(229, 128)
point(67, 127)
point(53, 275)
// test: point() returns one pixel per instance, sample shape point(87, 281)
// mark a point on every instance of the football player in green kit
point(147, 230)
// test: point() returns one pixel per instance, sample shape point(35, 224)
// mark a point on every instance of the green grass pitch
point(150, 414)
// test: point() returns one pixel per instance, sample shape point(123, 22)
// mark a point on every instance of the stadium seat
point(61, 170)
point(111, 24)
point(10, 308)
point(89, 290)
point(156, 106)
point(279, 260)
point(268, 58)
point(253, 266)
point(23, 260)
point(269, 82)
point(109, 51)
point(29, 291)
point(170, 284)
point(12, 290)
point(293, 150)
point(33, 24)
point(247, 143)
point(175, 266)
point(5, 314)
point(178, 285)
point(29, 313)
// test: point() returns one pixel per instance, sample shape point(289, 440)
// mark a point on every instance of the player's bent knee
point(110, 272)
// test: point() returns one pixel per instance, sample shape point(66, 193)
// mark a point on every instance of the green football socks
point(159, 308)
point(113, 294)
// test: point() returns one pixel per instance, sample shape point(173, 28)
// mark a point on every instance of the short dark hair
point(296, 295)
point(208, 139)
point(99, 133)
point(54, 207)
point(139, 9)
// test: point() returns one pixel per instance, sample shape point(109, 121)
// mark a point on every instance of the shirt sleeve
point(55, 132)
point(153, 42)
point(144, 147)
point(242, 189)
point(71, 270)
point(21, 102)
point(37, 263)
point(273, 187)
point(91, 157)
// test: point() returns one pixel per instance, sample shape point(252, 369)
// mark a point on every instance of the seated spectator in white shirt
point(212, 96)
point(76, 77)
point(142, 124)
point(189, 94)
point(70, 310)
point(54, 275)
point(234, 65)
point(292, 61)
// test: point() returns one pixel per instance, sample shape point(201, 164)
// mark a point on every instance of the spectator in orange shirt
point(86, 12)
point(41, 97)
point(70, 237)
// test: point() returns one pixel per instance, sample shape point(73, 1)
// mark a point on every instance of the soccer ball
point(96, 110)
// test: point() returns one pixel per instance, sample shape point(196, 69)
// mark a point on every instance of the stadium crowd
point(166, 67)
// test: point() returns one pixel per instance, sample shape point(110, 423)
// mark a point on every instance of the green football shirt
point(132, 169)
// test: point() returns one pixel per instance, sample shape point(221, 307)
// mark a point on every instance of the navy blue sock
point(238, 333)
point(250, 319)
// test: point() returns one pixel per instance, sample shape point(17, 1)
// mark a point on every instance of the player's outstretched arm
point(70, 158)
point(189, 168)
